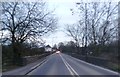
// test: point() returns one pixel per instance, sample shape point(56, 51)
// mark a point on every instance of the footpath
point(26, 69)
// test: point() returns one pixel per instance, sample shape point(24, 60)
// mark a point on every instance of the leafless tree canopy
point(97, 23)
point(23, 20)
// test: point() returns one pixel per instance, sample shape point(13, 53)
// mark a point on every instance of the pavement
point(62, 64)
point(25, 69)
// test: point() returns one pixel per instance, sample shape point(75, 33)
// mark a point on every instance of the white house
point(48, 48)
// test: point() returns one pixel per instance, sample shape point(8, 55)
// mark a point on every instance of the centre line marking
point(72, 71)
point(67, 66)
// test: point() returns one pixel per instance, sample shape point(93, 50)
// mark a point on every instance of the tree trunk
point(17, 60)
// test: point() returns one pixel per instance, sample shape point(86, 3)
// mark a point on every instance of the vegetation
point(23, 24)
point(109, 53)
point(96, 33)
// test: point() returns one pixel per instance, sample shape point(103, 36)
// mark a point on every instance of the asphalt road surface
point(62, 64)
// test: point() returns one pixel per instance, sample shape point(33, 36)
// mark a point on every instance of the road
point(62, 64)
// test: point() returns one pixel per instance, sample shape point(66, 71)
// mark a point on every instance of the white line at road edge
point(69, 67)
point(38, 65)
point(41, 63)
point(95, 65)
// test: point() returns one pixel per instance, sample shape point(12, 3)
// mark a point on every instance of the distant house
point(53, 49)
point(48, 48)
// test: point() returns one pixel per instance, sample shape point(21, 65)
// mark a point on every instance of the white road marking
point(38, 65)
point(94, 65)
point(67, 66)
point(35, 66)
point(73, 72)
point(72, 69)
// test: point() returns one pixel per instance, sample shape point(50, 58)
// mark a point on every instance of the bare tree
point(24, 21)
point(97, 22)
point(107, 29)
point(75, 32)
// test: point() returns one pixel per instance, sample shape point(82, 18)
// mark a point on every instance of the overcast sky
point(62, 11)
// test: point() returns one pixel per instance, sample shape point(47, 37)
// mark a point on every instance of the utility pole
point(86, 26)
point(119, 20)
point(118, 25)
